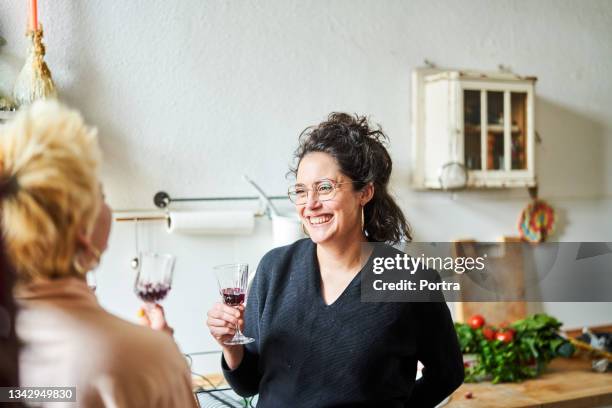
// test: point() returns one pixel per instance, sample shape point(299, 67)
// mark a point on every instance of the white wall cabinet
point(472, 129)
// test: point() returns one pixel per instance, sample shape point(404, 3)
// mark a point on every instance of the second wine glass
point(154, 278)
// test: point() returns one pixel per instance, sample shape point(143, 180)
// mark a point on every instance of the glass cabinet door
point(495, 138)
point(495, 130)
point(518, 112)
point(472, 129)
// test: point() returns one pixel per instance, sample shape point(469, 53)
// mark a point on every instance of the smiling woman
point(316, 343)
point(348, 149)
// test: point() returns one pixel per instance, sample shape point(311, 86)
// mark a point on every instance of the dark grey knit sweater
point(347, 354)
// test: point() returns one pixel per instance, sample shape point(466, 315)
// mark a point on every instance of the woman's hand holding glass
point(153, 316)
point(222, 321)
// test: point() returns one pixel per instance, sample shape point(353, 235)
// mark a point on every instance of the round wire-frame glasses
point(325, 190)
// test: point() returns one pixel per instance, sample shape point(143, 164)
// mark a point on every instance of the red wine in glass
point(152, 292)
point(232, 280)
point(232, 296)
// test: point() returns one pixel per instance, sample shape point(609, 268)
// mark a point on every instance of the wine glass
point(154, 278)
point(90, 278)
point(232, 280)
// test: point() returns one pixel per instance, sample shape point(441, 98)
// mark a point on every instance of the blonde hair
point(51, 157)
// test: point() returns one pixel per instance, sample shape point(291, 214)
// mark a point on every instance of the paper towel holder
point(162, 199)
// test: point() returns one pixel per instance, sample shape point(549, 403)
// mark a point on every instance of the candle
point(33, 15)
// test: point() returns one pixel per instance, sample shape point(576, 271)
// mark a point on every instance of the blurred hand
point(222, 321)
point(153, 316)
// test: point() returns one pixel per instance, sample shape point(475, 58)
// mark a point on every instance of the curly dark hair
point(361, 154)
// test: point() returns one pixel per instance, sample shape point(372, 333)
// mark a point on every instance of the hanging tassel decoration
point(34, 81)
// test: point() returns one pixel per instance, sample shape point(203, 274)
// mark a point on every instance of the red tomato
point(489, 333)
point(505, 336)
point(476, 322)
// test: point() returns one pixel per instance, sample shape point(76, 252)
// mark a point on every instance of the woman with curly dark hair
point(316, 343)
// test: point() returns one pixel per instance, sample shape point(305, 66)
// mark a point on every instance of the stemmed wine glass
point(154, 278)
point(233, 280)
point(91, 280)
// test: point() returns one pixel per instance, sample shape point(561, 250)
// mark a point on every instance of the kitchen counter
point(568, 383)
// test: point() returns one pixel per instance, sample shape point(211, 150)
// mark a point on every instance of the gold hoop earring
point(83, 269)
point(78, 266)
point(304, 230)
point(362, 220)
point(96, 252)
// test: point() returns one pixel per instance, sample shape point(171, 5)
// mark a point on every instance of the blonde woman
point(56, 226)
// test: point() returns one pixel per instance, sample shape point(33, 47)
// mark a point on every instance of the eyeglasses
point(325, 190)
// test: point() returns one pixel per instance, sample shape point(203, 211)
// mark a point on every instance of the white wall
point(190, 95)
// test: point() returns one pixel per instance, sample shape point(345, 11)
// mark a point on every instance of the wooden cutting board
point(568, 383)
point(509, 274)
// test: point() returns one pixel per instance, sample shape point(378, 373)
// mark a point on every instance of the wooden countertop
point(568, 383)
point(215, 380)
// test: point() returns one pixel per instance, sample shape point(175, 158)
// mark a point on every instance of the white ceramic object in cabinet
point(478, 124)
point(6, 115)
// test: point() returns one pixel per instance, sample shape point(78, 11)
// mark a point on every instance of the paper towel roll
point(211, 222)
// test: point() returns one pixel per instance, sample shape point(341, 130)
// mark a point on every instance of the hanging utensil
point(135, 262)
point(263, 196)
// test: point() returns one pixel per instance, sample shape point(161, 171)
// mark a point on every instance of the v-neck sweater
point(346, 354)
